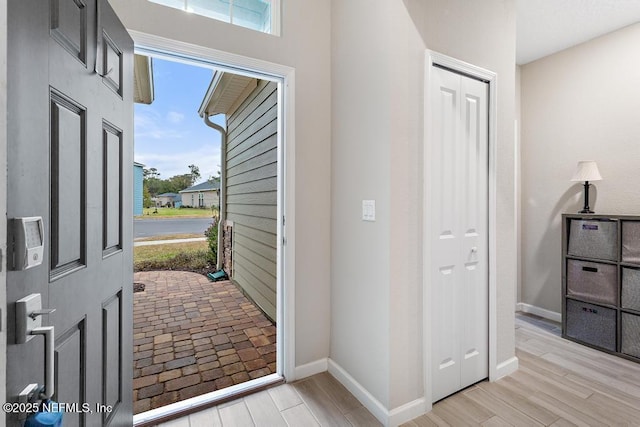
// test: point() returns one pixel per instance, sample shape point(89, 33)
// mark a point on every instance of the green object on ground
point(218, 275)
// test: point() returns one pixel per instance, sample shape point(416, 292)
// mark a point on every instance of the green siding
point(251, 194)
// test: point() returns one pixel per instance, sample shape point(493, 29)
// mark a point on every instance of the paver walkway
point(193, 336)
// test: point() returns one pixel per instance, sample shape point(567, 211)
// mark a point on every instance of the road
point(159, 227)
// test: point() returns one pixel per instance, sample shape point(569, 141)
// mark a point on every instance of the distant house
point(138, 178)
point(203, 195)
point(169, 200)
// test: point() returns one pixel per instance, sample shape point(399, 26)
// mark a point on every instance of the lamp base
point(586, 209)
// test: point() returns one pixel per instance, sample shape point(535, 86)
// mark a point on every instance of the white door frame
point(285, 290)
point(434, 58)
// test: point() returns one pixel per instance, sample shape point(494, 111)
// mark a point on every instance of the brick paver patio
point(193, 336)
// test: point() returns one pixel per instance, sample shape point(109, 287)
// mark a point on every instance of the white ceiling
point(548, 26)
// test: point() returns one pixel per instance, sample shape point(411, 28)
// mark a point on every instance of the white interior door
point(459, 232)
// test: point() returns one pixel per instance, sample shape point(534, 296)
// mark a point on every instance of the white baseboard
point(311, 368)
point(407, 412)
point(505, 368)
point(538, 311)
point(392, 418)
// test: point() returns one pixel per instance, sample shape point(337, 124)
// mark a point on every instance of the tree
point(154, 185)
point(214, 179)
point(151, 173)
point(195, 173)
point(180, 182)
point(146, 197)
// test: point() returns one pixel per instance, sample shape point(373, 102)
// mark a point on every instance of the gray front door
point(70, 161)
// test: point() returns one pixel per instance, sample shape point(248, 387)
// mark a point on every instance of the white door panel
point(459, 195)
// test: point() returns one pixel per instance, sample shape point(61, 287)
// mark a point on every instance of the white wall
point(360, 166)
point(580, 104)
point(3, 202)
point(377, 72)
point(305, 46)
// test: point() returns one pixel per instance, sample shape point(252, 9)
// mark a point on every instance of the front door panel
point(70, 161)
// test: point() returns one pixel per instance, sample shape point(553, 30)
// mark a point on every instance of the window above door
point(258, 15)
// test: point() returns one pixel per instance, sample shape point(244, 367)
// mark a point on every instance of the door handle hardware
point(44, 312)
point(49, 346)
point(474, 250)
point(29, 314)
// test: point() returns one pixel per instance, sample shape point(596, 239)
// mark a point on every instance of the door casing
point(285, 77)
point(434, 58)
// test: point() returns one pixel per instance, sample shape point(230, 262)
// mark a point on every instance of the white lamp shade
point(587, 171)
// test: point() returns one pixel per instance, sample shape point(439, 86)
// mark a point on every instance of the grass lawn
point(191, 256)
point(150, 213)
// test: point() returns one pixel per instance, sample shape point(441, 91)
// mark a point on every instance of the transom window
point(259, 15)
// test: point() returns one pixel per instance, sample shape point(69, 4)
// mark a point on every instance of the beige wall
point(580, 104)
point(304, 45)
point(377, 106)
point(210, 198)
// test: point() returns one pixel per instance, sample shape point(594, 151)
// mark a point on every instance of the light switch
point(368, 210)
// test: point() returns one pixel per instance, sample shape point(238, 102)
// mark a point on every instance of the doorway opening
point(205, 337)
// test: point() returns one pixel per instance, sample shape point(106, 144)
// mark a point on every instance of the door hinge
point(283, 220)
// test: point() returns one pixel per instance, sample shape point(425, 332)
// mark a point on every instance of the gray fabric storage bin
point(630, 288)
point(593, 239)
point(592, 281)
point(630, 334)
point(591, 324)
point(631, 241)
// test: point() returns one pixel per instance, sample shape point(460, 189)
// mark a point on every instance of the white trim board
point(391, 418)
point(539, 311)
point(507, 367)
point(205, 400)
point(311, 368)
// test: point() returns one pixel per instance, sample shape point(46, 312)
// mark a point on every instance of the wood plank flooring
point(559, 383)
point(319, 400)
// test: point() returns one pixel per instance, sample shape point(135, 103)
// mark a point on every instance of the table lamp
point(587, 171)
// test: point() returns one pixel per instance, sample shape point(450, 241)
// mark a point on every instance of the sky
point(169, 133)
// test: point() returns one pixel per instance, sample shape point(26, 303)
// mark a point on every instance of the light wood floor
point(559, 383)
point(319, 400)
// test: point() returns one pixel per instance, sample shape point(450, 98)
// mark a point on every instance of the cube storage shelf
point(601, 282)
